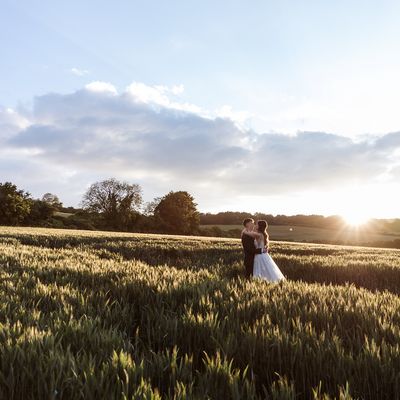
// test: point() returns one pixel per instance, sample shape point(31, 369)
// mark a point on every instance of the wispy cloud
point(79, 72)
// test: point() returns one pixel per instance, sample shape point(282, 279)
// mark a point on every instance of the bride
point(264, 266)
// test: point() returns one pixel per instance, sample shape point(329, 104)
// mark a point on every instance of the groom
point(249, 247)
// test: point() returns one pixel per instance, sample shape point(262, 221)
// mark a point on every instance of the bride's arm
point(254, 235)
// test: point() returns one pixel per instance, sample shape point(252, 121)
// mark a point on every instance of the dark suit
point(249, 252)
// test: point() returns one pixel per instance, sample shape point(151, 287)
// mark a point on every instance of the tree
point(116, 201)
point(151, 206)
point(52, 200)
point(15, 204)
point(40, 213)
point(177, 213)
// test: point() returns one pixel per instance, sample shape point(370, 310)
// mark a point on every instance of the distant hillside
point(382, 226)
point(347, 236)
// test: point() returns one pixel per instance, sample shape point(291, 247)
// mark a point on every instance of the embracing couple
point(258, 263)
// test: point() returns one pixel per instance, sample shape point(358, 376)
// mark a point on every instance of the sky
point(281, 107)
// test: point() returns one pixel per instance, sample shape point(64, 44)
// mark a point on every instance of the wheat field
point(100, 315)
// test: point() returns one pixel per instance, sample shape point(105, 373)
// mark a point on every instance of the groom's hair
point(247, 220)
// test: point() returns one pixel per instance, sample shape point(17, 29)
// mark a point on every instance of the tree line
point(118, 206)
point(106, 205)
point(235, 218)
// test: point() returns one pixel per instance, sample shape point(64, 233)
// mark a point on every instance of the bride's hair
point(262, 226)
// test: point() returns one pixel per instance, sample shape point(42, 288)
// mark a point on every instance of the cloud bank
point(146, 134)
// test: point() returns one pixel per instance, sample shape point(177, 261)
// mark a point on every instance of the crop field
point(99, 315)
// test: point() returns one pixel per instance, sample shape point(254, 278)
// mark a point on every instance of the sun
point(356, 218)
point(356, 204)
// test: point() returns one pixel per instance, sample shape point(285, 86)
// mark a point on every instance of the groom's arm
point(257, 251)
point(251, 249)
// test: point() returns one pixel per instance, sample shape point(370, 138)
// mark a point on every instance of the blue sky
point(270, 71)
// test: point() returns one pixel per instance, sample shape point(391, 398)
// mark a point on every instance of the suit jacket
point(249, 252)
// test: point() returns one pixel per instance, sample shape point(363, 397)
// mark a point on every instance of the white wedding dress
point(264, 266)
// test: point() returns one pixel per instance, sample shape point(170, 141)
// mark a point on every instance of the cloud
point(79, 72)
point(145, 135)
point(11, 122)
point(240, 117)
point(177, 89)
point(101, 87)
point(159, 96)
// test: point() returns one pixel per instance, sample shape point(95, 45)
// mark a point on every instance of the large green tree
point(177, 213)
point(40, 213)
point(118, 202)
point(15, 205)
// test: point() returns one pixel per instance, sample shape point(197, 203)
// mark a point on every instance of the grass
point(63, 214)
point(92, 315)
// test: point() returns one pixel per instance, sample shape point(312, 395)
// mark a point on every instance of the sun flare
point(356, 219)
point(356, 204)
